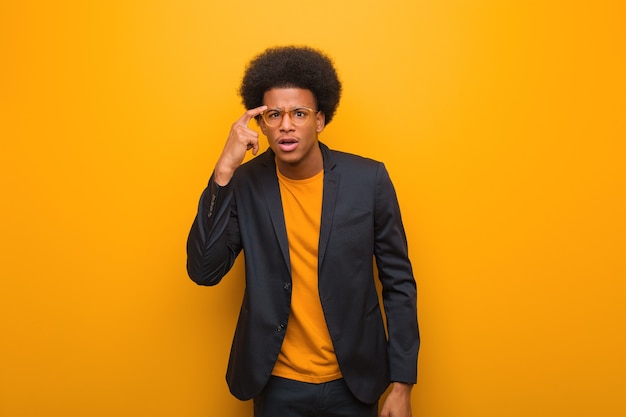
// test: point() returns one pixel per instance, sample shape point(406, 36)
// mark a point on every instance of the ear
point(320, 122)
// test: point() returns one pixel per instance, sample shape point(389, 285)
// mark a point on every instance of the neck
point(302, 169)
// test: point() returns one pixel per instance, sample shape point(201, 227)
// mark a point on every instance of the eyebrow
point(293, 108)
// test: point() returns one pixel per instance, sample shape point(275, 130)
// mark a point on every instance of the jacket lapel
point(329, 199)
point(271, 191)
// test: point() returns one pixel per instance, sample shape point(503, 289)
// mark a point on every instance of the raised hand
point(240, 140)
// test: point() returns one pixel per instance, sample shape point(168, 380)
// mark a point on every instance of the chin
point(291, 160)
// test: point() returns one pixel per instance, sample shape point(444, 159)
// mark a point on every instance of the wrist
point(222, 174)
point(401, 386)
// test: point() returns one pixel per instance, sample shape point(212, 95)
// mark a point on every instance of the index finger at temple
point(250, 114)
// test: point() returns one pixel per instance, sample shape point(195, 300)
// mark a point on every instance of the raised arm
point(214, 243)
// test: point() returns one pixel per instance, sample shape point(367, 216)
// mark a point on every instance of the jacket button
point(287, 286)
point(280, 328)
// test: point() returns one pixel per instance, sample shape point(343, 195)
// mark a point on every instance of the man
point(310, 340)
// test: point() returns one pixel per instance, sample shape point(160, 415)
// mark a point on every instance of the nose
point(286, 124)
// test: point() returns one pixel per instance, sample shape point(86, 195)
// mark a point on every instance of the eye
point(273, 114)
point(300, 113)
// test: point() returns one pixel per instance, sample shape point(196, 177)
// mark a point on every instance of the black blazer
point(360, 222)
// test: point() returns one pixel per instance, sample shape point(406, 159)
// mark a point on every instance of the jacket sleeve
point(398, 284)
point(213, 243)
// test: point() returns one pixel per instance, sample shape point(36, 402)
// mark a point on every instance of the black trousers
point(287, 398)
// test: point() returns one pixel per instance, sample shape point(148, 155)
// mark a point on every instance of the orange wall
point(501, 123)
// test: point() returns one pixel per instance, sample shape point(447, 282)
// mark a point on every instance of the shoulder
point(348, 161)
point(350, 158)
point(355, 172)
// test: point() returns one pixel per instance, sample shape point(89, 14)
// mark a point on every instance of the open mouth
point(287, 144)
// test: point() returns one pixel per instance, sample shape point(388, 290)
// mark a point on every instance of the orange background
point(502, 125)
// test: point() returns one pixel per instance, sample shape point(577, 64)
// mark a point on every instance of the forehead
point(288, 98)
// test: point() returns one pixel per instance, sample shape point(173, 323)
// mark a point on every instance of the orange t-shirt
point(307, 353)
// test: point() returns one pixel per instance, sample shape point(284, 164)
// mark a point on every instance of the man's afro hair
point(292, 67)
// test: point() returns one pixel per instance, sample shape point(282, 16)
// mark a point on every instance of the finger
point(251, 141)
point(250, 114)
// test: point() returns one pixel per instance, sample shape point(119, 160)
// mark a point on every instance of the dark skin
point(241, 139)
point(297, 157)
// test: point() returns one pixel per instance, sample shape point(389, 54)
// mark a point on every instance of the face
point(298, 155)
